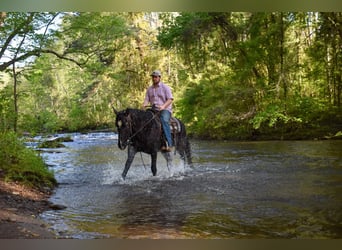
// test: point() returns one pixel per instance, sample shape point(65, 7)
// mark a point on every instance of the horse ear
point(115, 111)
point(127, 112)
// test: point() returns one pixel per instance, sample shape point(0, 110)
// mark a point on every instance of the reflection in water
point(148, 213)
point(236, 190)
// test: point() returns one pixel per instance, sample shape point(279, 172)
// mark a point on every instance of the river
point(258, 190)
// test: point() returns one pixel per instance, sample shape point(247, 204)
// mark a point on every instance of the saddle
point(174, 123)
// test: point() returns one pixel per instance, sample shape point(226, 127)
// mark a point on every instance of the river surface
point(274, 189)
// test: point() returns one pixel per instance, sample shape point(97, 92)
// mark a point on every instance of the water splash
point(138, 172)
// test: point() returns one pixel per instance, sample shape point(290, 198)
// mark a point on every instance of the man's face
point(155, 79)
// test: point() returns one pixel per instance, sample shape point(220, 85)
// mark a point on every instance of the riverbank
point(19, 210)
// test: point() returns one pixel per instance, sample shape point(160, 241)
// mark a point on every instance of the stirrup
point(166, 149)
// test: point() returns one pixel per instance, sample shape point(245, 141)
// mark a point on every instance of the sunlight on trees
point(235, 75)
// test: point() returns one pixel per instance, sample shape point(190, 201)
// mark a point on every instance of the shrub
point(22, 164)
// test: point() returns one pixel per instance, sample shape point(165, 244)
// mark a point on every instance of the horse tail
point(184, 145)
point(188, 152)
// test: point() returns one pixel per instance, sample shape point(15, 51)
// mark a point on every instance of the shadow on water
point(236, 190)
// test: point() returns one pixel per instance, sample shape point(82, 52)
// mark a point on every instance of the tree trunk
point(282, 73)
point(15, 98)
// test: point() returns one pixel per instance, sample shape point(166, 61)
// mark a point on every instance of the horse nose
point(122, 145)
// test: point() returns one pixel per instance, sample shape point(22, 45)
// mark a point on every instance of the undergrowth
point(21, 164)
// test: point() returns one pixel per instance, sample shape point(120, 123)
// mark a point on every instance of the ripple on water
point(235, 190)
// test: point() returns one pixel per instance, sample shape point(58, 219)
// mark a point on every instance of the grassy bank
point(23, 165)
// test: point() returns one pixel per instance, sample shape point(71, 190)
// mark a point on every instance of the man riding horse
point(144, 130)
point(160, 96)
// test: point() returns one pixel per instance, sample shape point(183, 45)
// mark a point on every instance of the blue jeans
point(165, 116)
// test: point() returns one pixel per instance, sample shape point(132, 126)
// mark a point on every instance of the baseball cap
point(156, 73)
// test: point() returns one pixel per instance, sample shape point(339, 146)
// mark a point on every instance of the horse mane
point(139, 113)
point(142, 119)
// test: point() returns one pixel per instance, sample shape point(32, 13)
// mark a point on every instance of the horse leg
point(184, 150)
point(181, 151)
point(130, 158)
point(168, 158)
point(154, 163)
point(188, 152)
point(180, 146)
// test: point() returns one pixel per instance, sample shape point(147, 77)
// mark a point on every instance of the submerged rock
point(57, 207)
point(55, 142)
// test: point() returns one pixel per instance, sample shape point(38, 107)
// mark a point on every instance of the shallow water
point(276, 189)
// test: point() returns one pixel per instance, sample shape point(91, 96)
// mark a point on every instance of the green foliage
point(44, 122)
point(197, 36)
point(6, 109)
point(77, 118)
point(94, 38)
point(114, 58)
point(24, 35)
point(19, 163)
point(273, 115)
point(216, 108)
point(271, 83)
point(234, 75)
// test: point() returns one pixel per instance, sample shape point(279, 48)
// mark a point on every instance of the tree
point(113, 50)
point(89, 40)
point(275, 62)
point(326, 51)
point(24, 35)
point(233, 74)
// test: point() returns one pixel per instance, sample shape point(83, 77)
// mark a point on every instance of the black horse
point(142, 131)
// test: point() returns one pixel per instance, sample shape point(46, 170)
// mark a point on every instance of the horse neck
point(140, 119)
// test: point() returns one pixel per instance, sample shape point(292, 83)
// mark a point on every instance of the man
point(160, 95)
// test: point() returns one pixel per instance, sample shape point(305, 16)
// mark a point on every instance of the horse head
point(123, 124)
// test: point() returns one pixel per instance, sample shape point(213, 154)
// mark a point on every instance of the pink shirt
point(159, 95)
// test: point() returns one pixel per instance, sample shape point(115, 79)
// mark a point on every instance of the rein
point(139, 130)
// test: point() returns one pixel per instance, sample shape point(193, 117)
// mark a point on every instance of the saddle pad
point(175, 126)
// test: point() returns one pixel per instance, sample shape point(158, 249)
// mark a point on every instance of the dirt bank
point(19, 210)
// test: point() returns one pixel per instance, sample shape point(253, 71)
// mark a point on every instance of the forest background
point(234, 75)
